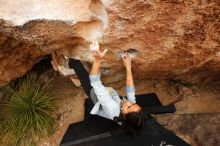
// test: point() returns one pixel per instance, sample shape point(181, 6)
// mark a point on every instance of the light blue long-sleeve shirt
point(108, 104)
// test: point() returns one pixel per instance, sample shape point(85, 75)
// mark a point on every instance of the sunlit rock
point(174, 39)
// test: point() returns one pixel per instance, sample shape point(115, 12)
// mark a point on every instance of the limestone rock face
point(16, 58)
point(174, 39)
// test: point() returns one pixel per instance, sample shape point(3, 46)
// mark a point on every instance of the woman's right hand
point(94, 47)
point(127, 60)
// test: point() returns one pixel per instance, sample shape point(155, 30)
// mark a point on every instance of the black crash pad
point(98, 131)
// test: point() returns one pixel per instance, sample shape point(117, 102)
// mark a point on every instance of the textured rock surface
point(175, 39)
point(196, 129)
point(16, 58)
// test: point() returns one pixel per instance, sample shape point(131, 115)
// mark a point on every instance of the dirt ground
point(196, 120)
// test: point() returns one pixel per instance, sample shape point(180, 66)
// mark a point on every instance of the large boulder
point(173, 39)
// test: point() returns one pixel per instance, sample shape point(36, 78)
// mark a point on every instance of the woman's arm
point(130, 89)
point(108, 104)
point(129, 77)
point(127, 62)
point(95, 67)
point(97, 57)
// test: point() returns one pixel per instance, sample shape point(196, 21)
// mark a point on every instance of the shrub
point(29, 111)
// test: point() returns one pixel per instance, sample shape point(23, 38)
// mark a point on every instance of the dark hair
point(134, 123)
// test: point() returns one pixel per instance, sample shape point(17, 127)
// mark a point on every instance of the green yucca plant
point(29, 110)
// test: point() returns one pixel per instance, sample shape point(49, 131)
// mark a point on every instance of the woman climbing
point(104, 101)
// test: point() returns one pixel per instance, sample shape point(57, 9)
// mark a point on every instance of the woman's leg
point(82, 74)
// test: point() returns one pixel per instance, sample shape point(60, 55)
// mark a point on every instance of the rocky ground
point(197, 118)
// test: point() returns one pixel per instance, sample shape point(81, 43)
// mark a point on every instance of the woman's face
point(129, 107)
